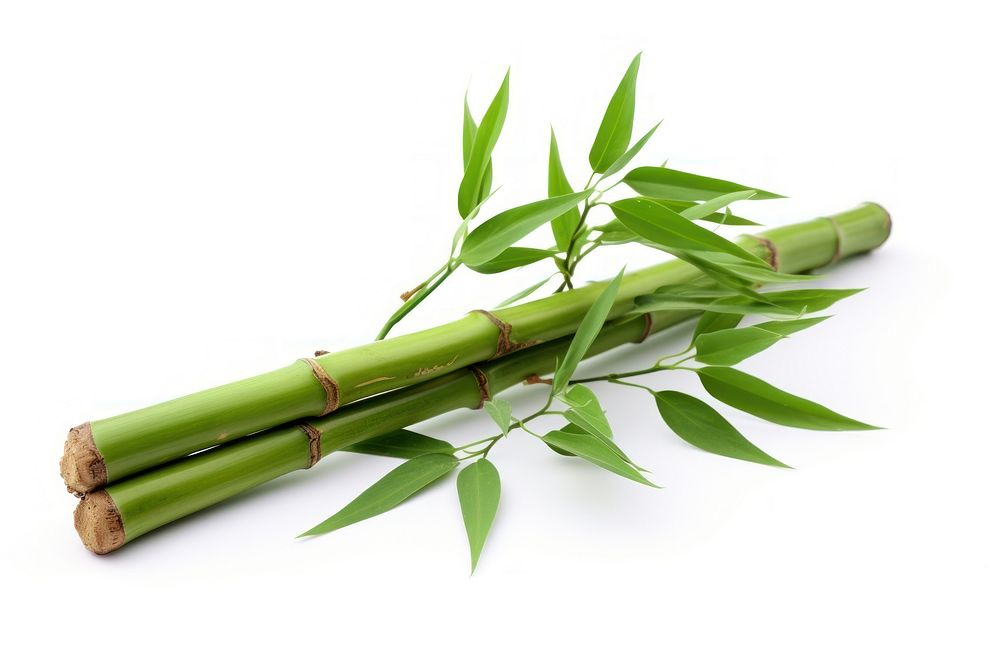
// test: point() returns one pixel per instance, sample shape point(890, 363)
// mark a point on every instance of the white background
point(193, 192)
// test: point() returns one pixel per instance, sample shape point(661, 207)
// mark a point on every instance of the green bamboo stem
point(123, 511)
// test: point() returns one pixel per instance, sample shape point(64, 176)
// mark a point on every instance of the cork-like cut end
point(82, 466)
point(99, 523)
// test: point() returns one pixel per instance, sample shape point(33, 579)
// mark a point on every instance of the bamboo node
point(328, 383)
point(535, 379)
point(504, 343)
point(483, 382)
point(840, 240)
point(646, 330)
point(315, 443)
point(770, 248)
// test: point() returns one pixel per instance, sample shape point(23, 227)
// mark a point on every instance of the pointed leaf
point(700, 211)
point(667, 183)
point(472, 187)
point(564, 225)
point(753, 395)
point(568, 428)
point(469, 128)
point(698, 423)
point(729, 347)
point(710, 322)
point(385, 494)
point(479, 496)
point(754, 272)
point(505, 229)
point(719, 218)
point(592, 449)
point(499, 409)
point(584, 401)
point(402, 444)
point(615, 131)
point(513, 258)
point(627, 156)
point(651, 303)
point(788, 327)
point(810, 300)
point(527, 291)
point(665, 227)
point(589, 327)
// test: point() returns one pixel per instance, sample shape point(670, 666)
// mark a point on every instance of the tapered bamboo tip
point(99, 523)
point(82, 466)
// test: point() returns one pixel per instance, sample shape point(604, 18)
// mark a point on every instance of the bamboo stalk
point(106, 450)
point(108, 519)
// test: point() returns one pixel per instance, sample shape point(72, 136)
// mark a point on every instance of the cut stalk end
point(99, 523)
point(82, 465)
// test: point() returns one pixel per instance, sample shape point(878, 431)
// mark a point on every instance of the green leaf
point(628, 155)
point(670, 229)
point(729, 347)
point(513, 258)
point(479, 496)
point(505, 229)
point(810, 300)
point(589, 327)
point(788, 327)
point(584, 402)
point(527, 291)
point(597, 452)
point(700, 211)
point(753, 395)
point(564, 225)
point(500, 410)
point(398, 485)
point(698, 423)
point(650, 303)
point(710, 322)
point(723, 219)
point(667, 183)
point(753, 272)
point(615, 132)
point(469, 130)
point(472, 187)
point(401, 444)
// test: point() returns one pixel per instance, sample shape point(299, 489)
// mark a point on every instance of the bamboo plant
point(140, 470)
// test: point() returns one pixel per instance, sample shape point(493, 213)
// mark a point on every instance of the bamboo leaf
point(749, 394)
point(469, 130)
point(505, 229)
point(722, 219)
point(810, 300)
point(527, 291)
point(594, 450)
point(615, 132)
point(500, 410)
point(471, 189)
point(584, 401)
point(564, 225)
point(479, 496)
point(513, 258)
point(666, 183)
point(729, 347)
point(658, 224)
point(568, 428)
point(753, 272)
point(589, 327)
point(651, 303)
point(710, 322)
point(628, 155)
point(402, 444)
point(700, 211)
point(385, 494)
point(698, 423)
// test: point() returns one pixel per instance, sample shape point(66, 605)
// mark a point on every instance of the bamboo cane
point(109, 518)
point(106, 450)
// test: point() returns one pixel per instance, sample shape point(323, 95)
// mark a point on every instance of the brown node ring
point(483, 383)
point(315, 443)
point(648, 317)
point(504, 343)
point(772, 250)
point(840, 241)
point(328, 383)
point(99, 523)
point(82, 465)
